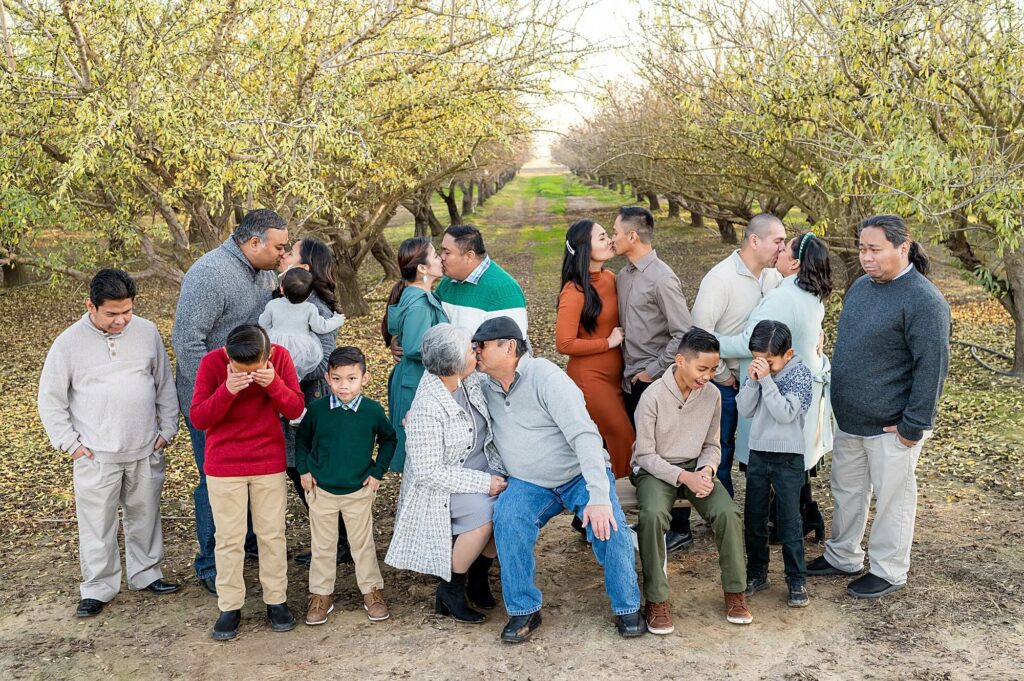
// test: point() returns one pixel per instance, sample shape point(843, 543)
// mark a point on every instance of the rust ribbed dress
point(596, 368)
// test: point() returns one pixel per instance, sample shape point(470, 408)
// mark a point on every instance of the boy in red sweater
point(241, 389)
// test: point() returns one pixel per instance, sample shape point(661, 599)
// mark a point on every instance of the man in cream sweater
point(107, 398)
point(675, 455)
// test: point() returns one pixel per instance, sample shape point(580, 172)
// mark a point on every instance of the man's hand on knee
point(600, 519)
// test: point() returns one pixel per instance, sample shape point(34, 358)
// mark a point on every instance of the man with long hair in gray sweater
point(888, 369)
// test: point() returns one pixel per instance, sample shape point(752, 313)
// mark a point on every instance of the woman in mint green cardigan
point(412, 309)
point(798, 302)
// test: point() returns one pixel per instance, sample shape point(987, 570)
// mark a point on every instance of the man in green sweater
point(334, 457)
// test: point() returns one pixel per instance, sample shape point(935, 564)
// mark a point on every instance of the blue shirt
point(351, 406)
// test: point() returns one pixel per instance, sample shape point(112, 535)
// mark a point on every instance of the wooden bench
point(627, 496)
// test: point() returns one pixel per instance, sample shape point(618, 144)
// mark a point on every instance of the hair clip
point(569, 248)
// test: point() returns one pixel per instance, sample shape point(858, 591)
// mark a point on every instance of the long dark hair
point(576, 268)
point(815, 274)
point(411, 254)
point(896, 233)
point(317, 255)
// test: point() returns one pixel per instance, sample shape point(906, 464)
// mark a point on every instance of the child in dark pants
point(776, 395)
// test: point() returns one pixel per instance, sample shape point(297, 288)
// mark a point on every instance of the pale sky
point(609, 25)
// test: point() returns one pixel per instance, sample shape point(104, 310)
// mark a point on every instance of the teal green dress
point(415, 312)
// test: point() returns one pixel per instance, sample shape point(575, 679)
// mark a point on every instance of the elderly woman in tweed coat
point(452, 477)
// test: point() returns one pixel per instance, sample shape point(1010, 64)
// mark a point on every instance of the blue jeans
point(523, 508)
point(204, 563)
point(785, 474)
point(730, 418)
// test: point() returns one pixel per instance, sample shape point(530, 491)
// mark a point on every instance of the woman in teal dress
point(412, 309)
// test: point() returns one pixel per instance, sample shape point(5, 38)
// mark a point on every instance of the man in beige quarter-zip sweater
point(107, 398)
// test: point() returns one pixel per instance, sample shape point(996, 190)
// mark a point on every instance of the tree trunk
point(673, 206)
point(481, 193)
point(696, 219)
point(350, 294)
point(652, 198)
point(1013, 263)
point(727, 230)
point(15, 275)
point(436, 228)
point(467, 197)
point(382, 253)
point(420, 222)
point(449, 201)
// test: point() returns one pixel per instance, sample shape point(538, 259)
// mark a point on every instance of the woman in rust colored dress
point(588, 332)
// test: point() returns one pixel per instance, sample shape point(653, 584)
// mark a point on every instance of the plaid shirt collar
point(350, 406)
point(475, 275)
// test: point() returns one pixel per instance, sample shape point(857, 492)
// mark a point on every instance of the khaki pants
point(229, 498)
point(883, 466)
point(356, 509)
point(99, 489)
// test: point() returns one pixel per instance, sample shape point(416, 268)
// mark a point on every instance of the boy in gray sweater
point(107, 399)
point(776, 394)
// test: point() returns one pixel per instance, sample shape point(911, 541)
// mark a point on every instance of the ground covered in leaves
point(960, 617)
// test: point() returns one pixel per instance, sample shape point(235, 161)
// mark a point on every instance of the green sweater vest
point(336, 445)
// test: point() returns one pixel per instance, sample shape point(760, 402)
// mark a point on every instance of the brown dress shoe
point(376, 608)
point(659, 619)
point(736, 610)
point(318, 609)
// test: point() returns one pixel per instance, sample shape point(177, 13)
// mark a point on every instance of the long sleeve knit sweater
point(543, 432)
point(112, 393)
point(496, 294)
point(673, 430)
point(891, 356)
point(777, 405)
point(243, 431)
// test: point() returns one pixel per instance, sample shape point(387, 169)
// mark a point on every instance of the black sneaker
point(677, 541)
point(520, 628)
point(226, 627)
point(280, 617)
point(210, 584)
point(755, 584)
point(871, 586)
point(819, 566)
point(89, 607)
point(631, 625)
point(798, 597)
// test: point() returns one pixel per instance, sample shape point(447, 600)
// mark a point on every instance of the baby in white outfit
point(292, 322)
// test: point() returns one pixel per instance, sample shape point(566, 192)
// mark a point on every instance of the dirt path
point(960, 618)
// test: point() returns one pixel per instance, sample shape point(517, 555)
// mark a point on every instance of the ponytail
point(919, 259)
point(393, 298)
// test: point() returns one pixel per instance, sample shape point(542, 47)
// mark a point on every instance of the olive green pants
point(656, 498)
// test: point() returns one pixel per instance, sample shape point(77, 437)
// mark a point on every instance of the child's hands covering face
point(237, 381)
point(264, 377)
point(759, 368)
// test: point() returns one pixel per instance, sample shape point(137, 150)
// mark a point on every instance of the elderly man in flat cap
point(555, 460)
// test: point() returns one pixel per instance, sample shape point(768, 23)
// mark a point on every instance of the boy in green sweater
point(334, 457)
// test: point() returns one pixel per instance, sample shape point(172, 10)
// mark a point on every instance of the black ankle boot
point(478, 584)
point(451, 600)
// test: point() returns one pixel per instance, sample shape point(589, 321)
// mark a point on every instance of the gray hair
point(256, 223)
point(444, 349)
point(760, 225)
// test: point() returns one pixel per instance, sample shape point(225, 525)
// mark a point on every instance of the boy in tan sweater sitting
point(676, 453)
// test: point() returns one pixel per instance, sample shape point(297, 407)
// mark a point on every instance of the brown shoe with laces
point(659, 619)
point(318, 608)
point(736, 610)
point(376, 608)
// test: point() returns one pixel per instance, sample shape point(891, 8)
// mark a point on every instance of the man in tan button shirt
point(654, 317)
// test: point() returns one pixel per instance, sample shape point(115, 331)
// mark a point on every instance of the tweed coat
point(439, 434)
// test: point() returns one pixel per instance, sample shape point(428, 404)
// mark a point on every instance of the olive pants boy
point(655, 499)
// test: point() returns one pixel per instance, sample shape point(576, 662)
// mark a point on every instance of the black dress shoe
point(280, 616)
point(871, 586)
point(89, 607)
point(161, 587)
point(676, 541)
point(226, 627)
point(819, 567)
point(520, 628)
point(209, 583)
point(631, 625)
